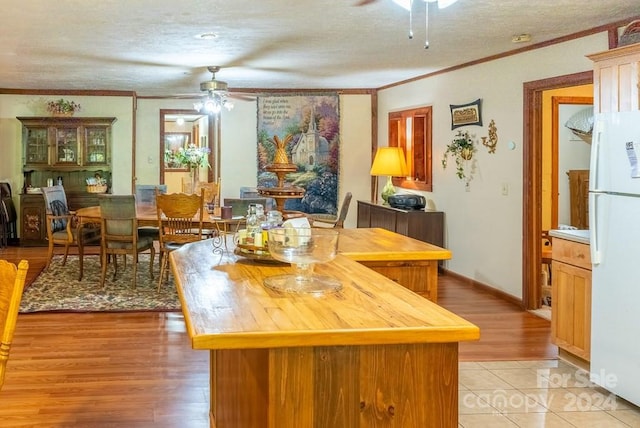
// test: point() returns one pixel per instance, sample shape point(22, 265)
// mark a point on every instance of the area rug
point(58, 289)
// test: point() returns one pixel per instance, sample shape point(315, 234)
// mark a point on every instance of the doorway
point(179, 128)
point(532, 180)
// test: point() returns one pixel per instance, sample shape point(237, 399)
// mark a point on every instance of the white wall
point(483, 227)
point(12, 106)
point(239, 145)
point(239, 166)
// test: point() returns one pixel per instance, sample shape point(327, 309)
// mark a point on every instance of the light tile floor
point(536, 394)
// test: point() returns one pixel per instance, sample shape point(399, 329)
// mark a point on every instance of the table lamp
point(389, 161)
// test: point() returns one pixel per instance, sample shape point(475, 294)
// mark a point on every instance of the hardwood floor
point(138, 369)
point(506, 331)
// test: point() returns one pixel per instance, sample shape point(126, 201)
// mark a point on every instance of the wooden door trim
point(532, 179)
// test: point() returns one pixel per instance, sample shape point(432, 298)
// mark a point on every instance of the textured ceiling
point(148, 46)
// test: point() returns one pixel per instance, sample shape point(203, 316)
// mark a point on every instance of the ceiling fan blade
point(445, 3)
point(365, 2)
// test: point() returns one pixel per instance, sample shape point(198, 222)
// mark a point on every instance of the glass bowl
point(303, 248)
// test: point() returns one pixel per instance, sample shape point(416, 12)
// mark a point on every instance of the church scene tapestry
point(308, 126)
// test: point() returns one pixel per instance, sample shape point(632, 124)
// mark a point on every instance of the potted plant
point(62, 107)
point(461, 149)
point(193, 157)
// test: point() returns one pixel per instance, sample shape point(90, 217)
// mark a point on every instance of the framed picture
point(172, 143)
point(466, 114)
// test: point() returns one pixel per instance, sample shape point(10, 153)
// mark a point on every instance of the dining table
point(147, 216)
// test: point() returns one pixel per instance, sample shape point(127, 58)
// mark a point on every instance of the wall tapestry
point(313, 122)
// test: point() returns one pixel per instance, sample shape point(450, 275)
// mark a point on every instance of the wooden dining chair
point(179, 221)
point(211, 192)
point(120, 234)
point(146, 196)
point(329, 220)
point(60, 227)
point(11, 287)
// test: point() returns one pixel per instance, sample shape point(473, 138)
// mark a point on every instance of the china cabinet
point(66, 150)
point(66, 143)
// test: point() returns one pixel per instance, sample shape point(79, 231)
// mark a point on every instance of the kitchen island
point(372, 354)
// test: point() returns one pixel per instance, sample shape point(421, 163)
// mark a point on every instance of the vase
point(195, 173)
point(466, 153)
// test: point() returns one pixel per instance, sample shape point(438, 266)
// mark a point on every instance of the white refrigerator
point(614, 220)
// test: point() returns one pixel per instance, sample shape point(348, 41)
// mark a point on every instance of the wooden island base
point(408, 386)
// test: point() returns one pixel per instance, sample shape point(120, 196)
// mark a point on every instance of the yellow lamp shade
point(389, 161)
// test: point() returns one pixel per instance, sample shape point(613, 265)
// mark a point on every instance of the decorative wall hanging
point(492, 138)
point(461, 148)
point(313, 121)
point(466, 114)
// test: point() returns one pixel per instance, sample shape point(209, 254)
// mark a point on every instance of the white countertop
point(580, 235)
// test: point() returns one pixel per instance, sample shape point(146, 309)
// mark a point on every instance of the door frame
point(532, 179)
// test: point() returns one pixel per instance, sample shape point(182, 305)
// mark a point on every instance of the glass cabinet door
point(66, 146)
point(37, 146)
point(95, 146)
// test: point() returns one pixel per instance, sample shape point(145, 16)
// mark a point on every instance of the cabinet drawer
point(570, 252)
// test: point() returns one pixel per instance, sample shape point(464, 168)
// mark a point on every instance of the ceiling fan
point(217, 94)
point(408, 5)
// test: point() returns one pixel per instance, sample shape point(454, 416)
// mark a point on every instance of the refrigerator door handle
point(594, 182)
point(594, 240)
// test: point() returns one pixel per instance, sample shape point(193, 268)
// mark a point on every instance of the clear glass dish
point(303, 248)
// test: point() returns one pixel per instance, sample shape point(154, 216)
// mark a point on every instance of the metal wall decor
point(491, 141)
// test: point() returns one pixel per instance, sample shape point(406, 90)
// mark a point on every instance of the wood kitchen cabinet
point(427, 226)
point(615, 79)
point(571, 297)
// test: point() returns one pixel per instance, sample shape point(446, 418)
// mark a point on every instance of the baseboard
point(574, 359)
point(486, 288)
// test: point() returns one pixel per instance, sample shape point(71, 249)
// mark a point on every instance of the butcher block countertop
point(375, 244)
point(226, 306)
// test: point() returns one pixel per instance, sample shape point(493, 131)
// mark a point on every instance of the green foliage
point(461, 148)
point(62, 106)
point(191, 157)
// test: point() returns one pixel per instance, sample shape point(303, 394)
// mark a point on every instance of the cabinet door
point(384, 218)
point(95, 145)
point(33, 229)
point(616, 79)
point(364, 214)
point(571, 313)
point(36, 145)
point(66, 145)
